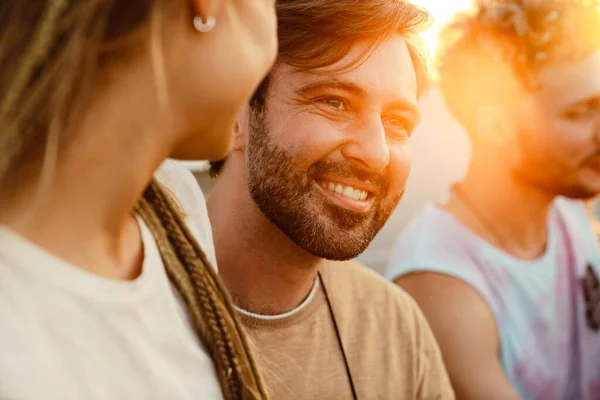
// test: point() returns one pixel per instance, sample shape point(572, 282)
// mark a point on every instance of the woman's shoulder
point(180, 182)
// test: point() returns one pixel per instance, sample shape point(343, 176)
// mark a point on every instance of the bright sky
point(441, 11)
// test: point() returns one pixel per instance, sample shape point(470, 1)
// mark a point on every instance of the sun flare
point(442, 12)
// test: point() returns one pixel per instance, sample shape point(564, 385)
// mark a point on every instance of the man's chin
point(334, 253)
point(582, 192)
point(335, 243)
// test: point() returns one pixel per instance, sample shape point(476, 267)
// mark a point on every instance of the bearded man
point(320, 160)
point(506, 270)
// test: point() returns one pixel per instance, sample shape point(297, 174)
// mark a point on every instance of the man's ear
point(242, 129)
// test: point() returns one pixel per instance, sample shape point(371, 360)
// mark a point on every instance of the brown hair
point(315, 34)
point(51, 52)
point(487, 54)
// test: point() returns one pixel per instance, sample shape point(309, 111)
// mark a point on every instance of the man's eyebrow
point(351, 87)
point(592, 100)
point(331, 84)
point(408, 107)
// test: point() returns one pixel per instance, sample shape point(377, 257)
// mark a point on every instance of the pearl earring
point(202, 26)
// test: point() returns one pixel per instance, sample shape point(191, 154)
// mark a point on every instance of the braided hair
point(50, 53)
point(209, 304)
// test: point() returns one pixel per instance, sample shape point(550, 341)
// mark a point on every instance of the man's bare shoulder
point(441, 292)
point(466, 330)
point(451, 304)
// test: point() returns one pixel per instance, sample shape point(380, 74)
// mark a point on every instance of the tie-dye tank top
point(547, 321)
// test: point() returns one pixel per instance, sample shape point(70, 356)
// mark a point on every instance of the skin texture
point(351, 127)
point(559, 150)
point(167, 101)
point(546, 147)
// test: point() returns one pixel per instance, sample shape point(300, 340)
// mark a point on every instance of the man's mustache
point(595, 154)
point(376, 179)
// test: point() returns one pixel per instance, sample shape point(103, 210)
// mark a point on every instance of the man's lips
point(593, 163)
point(346, 196)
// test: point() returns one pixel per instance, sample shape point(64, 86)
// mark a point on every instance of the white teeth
point(346, 191)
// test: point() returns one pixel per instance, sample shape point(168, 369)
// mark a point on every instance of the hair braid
point(207, 301)
point(213, 316)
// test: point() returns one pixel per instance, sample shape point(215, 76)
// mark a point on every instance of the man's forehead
point(573, 82)
point(387, 70)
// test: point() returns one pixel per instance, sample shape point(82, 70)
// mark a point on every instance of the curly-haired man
point(506, 270)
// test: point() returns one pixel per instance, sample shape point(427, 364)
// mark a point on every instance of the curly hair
point(501, 42)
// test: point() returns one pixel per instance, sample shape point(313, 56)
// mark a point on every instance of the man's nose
point(596, 136)
point(368, 146)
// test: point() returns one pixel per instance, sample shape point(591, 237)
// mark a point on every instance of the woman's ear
point(203, 9)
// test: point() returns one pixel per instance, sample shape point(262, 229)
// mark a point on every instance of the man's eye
point(335, 103)
point(397, 127)
point(579, 113)
point(396, 123)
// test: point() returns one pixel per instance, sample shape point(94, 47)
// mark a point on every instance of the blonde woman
point(106, 289)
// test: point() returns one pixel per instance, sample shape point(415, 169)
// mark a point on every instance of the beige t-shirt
point(391, 351)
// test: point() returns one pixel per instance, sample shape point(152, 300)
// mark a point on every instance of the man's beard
point(536, 170)
point(289, 198)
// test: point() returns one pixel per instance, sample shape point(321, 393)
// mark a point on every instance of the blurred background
point(434, 167)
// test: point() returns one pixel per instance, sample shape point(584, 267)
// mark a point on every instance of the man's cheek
point(400, 165)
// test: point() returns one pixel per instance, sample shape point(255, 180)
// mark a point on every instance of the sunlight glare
point(442, 12)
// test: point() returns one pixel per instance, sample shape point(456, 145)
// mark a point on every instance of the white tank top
point(549, 349)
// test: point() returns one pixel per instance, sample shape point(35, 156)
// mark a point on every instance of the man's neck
point(263, 269)
point(502, 210)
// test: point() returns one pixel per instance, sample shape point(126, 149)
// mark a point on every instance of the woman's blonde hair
point(52, 52)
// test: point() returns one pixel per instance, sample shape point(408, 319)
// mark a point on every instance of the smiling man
point(507, 270)
point(320, 160)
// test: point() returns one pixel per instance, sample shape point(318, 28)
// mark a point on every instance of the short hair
point(315, 34)
point(501, 45)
